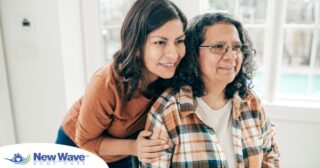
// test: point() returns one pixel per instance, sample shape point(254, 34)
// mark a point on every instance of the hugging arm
point(156, 125)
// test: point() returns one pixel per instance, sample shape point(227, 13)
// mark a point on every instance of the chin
point(166, 76)
point(228, 79)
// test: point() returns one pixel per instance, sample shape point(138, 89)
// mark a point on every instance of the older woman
point(211, 117)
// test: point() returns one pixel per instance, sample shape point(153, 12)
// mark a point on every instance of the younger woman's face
point(163, 50)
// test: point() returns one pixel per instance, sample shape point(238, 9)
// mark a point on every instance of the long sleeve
point(156, 125)
point(258, 145)
point(270, 148)
point(103, 112)
point(95, 115)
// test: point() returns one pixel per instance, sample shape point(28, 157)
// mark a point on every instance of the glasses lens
point(236, 49)
point(217, 49)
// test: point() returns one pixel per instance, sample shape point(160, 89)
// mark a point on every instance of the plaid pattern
point(194, 144)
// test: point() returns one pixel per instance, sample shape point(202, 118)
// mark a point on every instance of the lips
point(168, 64)
point(227, 67)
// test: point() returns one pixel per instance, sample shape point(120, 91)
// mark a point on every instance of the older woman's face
point(220, 68)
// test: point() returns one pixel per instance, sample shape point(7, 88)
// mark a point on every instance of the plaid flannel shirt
point(195, 144)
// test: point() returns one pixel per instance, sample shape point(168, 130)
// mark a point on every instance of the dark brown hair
point(189, 73)
point(144, 17)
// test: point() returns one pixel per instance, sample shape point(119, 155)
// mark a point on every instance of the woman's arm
point(270, 147)
point(145, 149)
point(96, 114)
point(156, 125)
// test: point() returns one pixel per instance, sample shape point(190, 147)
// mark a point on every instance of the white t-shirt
point(221, 122)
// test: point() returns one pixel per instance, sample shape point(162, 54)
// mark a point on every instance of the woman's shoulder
point(106, 71)
point(251, 103)
point(106, 74)
point(103, 81)
point(171, 107)
point(256, 106)
point(248, 103)
point(251, 97)
point(167, 97)
point(173, 95)
point(172, 98)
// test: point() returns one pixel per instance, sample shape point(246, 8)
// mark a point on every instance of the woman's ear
point(138, 53)
point(139, 57)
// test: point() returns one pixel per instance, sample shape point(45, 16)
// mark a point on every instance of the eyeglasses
point(223, 48)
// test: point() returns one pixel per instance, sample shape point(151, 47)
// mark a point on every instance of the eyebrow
point(181, 36)
point(223, 42)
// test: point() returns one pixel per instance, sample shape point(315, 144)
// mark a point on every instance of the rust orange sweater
point(101, 109)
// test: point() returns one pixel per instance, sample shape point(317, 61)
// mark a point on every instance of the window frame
point(92, 39)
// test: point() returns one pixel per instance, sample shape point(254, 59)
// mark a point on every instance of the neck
point(215, 97)
point(147, 80)
point(149, 77)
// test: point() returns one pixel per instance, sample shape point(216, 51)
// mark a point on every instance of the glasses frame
point(243, 47)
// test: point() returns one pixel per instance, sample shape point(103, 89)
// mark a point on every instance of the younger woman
point(114, 107)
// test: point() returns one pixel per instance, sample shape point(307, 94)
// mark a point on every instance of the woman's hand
point(148, 151)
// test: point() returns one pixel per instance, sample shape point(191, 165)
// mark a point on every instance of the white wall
point(44, 64)
point(189, 7)
point(6, 119)
point(299, 143)
point(70, 24)
point(297, 133)
point(93, 49)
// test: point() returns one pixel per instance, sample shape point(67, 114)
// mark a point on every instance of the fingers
point(144, 160)
point(151, 155)
point(149, 150)
point(143, 141)
point(154, 148)
point(145, 133)
point(153, 142)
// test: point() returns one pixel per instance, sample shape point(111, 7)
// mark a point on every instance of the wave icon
point(19, 159)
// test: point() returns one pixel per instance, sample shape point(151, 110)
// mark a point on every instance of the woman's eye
point(180, 41)
point(218, 46)
point(160, 42)
point(236, 47)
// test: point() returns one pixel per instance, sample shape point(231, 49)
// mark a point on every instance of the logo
point(59, 158)
point(19, 159)
point(46, 155)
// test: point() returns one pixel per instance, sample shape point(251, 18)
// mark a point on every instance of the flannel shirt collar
point(188, 103)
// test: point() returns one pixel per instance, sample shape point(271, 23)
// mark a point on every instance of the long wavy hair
point(189, 70)
point(144, 17)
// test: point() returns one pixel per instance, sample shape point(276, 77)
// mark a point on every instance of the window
point(253, 14)
point(112, 14)
point(299, 70)
point(284, 33)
